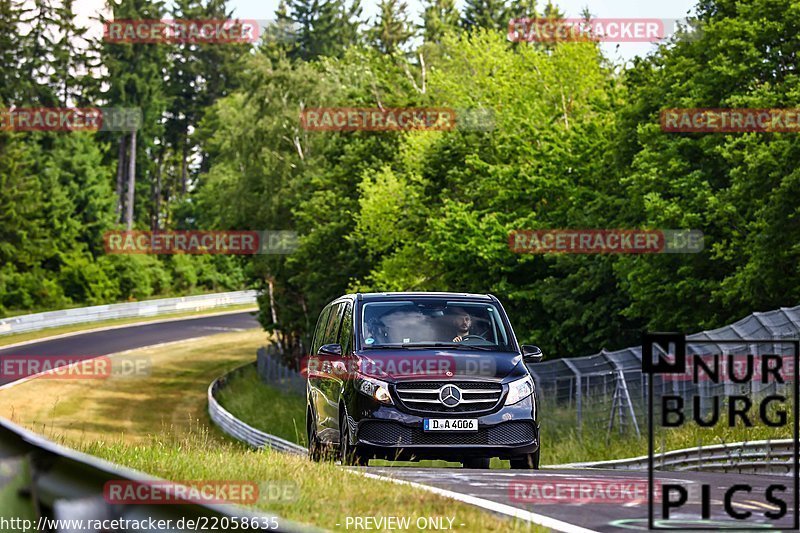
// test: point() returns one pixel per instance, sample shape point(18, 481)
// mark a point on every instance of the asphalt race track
point(615, 512)
point(549, 492)
point(130, 337)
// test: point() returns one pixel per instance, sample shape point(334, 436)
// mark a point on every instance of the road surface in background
point(120, 339)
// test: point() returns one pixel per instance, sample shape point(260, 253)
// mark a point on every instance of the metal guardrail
point(237, 429)
point(757, 457)
point(67, 317)
point(49, 480)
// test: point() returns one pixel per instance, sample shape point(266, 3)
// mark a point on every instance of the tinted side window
point(319, 332)
point(346, 333)
point(332, 329)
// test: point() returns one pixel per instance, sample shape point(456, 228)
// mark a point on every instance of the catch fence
point(607, 391)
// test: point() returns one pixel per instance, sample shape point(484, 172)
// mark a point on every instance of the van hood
point(438, 364)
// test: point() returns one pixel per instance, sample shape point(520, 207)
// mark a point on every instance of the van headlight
point(519, 390)
point(374, 388)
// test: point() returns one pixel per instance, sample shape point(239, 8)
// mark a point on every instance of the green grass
point(14, 338)
point(264, 407)
point(321, 494)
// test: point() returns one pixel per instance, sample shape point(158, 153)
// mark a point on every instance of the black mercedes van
point(419, 375)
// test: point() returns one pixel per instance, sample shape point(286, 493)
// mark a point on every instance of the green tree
point(439, 17)
point(321, 27)
point(736, 188)
point(134, 78)
point(487, 14)
point(392, 30)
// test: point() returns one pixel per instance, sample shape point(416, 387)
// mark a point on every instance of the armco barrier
point(63, 484)
point(67, 317)
point(237, 429)
point(757, 457)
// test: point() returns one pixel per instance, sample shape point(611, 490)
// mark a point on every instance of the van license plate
point(450, 424)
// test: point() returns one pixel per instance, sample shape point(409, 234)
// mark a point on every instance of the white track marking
point(489, 505)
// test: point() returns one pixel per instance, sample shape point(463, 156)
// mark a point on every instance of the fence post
point(578, 402)
point(621, 376)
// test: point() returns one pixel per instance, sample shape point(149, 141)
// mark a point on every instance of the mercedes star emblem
point(450, 395)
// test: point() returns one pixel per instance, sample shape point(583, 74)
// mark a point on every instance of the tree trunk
point(274, 314)
point(184, 170)
point(120, 176)
point(131, 182)
point(157, 194)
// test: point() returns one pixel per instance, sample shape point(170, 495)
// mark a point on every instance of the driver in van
point(461, 322)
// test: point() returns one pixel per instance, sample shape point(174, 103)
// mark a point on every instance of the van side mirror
point(330, 349)
point(531, 353)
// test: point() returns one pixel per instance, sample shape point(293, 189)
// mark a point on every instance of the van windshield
point(411, 323)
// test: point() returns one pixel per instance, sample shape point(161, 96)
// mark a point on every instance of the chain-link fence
point(607, 392)
point(272, 371)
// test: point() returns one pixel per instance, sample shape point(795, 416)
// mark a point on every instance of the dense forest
point(575, 142)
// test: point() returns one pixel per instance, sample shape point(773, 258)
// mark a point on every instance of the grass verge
point(277, 412)
point(321, 494)
point(157, 423)
point(14, 338)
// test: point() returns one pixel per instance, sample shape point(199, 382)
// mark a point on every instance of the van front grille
point(423, 396)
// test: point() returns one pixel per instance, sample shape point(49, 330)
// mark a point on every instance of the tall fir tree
point(134, 78)
point(488, 14)
point(70, 62)
point(523, 9)
point(12, 52)
point(38, 45)
point(392, 29)
point(321, 27)
point(439, 17)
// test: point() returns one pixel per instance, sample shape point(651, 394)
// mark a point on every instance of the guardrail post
point(579, 394)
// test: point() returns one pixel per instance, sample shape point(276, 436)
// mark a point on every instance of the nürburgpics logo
point(723, 386)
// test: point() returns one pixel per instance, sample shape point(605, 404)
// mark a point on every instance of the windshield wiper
point(453, 345)
point(382, 346)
